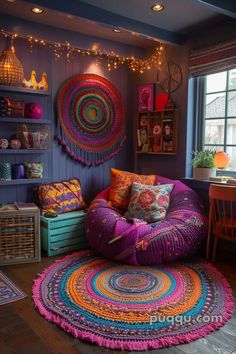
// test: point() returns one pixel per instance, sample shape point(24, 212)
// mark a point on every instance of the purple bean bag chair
point(177, 236)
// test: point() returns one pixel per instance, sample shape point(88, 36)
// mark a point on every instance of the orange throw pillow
point(120, 189)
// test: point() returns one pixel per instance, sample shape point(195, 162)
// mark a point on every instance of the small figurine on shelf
point(34, 169)
point(43, 85)
point(157, 138)
point(27, 84)
point(143, 121)
point(167, 129)
point(4, 143)
point(143, 136)
point(15, 144)
point(143, 139)
point(23, 136)
point(31, 83)
point(138, 138)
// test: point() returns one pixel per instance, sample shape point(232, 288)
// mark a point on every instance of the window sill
point(202, 184)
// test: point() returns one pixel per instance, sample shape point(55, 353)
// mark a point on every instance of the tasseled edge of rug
point(130, 345)
point(89, 158)
point(136, 345)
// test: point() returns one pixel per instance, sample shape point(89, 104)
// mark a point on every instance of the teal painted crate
point(63, 233)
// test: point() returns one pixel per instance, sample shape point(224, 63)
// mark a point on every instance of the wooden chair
point(222, 215)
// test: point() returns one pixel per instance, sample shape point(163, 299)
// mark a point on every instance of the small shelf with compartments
point(157, 132)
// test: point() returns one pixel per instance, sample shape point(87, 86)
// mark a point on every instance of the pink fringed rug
point(133, 307)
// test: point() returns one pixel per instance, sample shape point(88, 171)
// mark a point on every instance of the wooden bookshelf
point(157, 132)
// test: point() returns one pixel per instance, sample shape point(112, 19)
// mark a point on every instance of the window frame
point(202, 95)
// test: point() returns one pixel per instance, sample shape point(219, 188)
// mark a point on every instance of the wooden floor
point(24, 331)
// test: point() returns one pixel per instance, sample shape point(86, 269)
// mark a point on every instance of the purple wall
point(58, 165)
point(172, 166)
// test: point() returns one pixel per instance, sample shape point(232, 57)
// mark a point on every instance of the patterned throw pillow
point(121, 182)
point(61, 197)
point(149, 203)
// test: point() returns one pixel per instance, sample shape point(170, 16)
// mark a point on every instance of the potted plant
point(203, 164)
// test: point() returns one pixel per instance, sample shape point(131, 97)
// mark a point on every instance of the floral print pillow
point(121, 182)
point(149, 203)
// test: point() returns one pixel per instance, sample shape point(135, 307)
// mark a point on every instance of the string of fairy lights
point(111, 59)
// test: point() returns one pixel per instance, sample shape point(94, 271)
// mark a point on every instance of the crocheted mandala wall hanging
point(90, 119)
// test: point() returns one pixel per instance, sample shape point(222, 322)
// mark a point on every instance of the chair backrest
point(223, 210)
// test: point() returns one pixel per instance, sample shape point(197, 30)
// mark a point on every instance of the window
point(219, 128)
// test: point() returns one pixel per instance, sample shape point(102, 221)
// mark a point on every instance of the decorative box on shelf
point(63, 233)
point(19, 235)
point(35, 137)
point(157, 132)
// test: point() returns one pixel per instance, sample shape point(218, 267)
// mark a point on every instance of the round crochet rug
point(133, 307)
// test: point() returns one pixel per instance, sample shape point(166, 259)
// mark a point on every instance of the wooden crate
point(19, 236)
point(63, 233)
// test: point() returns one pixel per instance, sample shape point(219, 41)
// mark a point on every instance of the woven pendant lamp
point(11, 70)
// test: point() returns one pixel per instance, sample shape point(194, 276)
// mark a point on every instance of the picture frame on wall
point(146, 97)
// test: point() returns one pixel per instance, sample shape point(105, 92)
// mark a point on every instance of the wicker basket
point(19, 236)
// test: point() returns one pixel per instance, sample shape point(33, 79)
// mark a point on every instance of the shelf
point(167, 136)
point(21, 151)
point(25, 181)
point(24, 90)
point(156, 153)
point(158, 110)
point(24, 120)
point(164, 143)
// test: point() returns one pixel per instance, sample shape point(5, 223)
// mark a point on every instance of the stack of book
point(220, 178)
point(25, 206)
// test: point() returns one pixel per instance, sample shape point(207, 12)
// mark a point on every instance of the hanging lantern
point(11, 70)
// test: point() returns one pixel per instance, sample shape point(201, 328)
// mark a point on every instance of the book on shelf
point(232, 180)
point(220, 178)
point(25, 206)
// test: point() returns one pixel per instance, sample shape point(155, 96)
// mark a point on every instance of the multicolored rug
point(8, 291)
point(133, 307)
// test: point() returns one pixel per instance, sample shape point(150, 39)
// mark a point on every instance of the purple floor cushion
point(138, 242)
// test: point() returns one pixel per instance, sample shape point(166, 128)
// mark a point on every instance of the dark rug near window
point(9, 292)
point(121, 306)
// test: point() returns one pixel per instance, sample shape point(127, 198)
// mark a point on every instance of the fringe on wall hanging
point(90, 119)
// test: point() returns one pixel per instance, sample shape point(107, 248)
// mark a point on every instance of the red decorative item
point(15, 144)
point(33, 110)
point(161, 100)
